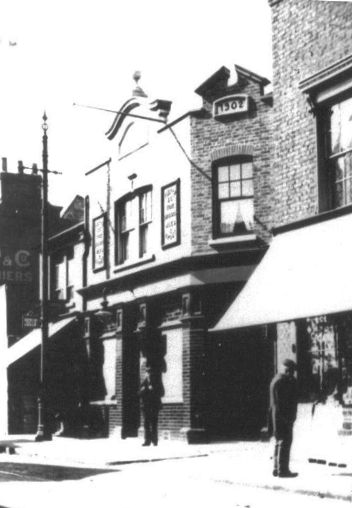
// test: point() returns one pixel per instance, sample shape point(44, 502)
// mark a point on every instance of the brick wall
point(308, 35)
point(207, 135)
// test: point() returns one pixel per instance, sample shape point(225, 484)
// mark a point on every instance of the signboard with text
point(30, 320)
point(230, 105)
point(170, 215)
point(16, 265)
point(99, 242)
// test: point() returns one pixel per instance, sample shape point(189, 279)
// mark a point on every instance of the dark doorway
point(240, 372)
point(130, 409)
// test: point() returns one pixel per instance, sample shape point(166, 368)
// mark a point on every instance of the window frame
point(325, 157)
point(234, 160)
point(134, 198)
point(66, 290)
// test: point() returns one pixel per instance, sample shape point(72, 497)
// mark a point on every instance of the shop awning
point(305, 272)
point(33, 339)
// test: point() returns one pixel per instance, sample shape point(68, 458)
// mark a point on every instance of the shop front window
point(323, 351)
point(326, 365)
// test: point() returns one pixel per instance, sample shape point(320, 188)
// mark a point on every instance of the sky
point(56, 53)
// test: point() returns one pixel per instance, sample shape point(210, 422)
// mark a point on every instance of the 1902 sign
point(230, 105)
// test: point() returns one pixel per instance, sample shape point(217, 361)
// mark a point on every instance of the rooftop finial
point(137, 76)
point(138, 92)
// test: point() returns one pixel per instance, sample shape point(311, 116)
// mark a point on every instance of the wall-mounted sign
point(230, 105)
point(30, 320)
point(16, 265)
point(170, 215)
point(99, 242)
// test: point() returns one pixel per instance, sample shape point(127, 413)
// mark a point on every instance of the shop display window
point(325, 362)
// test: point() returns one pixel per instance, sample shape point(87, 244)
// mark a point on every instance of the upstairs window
point(145, 219)
point(338, 153)
point(63, 280)
point(133, 226)
point(126, 229)
point(233, 203)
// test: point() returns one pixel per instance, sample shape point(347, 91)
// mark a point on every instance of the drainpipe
point(86, 250)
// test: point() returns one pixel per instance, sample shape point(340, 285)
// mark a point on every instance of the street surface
point(205, 482)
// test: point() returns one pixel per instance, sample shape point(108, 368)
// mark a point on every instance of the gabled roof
point(252, 76)
point(220, 74)
point(224, 73)
point(75, 210)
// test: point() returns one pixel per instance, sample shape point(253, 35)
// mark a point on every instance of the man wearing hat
point(283, 409)
point(151, 391)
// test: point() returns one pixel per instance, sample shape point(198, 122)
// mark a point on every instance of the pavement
point(241, 463)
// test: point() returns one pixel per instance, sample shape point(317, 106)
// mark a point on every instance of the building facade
point(177, 219)
point(301, 289)
point(20, 243)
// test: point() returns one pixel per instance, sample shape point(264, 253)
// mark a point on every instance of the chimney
point(4, 164)
point(20, 167)
point(34, 169)
point(161, 107)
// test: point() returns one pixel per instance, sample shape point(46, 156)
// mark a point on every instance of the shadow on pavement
point(10, 471)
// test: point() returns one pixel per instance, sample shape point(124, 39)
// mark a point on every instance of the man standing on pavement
point(150, 392)
point(283, 409)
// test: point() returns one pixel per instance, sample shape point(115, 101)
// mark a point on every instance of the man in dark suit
point(150, 392)
point(283, 410)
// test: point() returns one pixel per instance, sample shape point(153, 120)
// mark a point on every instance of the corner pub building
point(177, 224)
point(302, 288)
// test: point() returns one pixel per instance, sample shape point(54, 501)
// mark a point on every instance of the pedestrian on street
point(150, 392)
point(283, 410)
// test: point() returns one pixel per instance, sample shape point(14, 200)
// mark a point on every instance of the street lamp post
point(42, 430)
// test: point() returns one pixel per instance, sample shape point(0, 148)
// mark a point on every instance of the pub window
point(233, 198)
point(335, 121)
point(145, 219)
point(173, 375)
point(133, 226)
point(125, 228)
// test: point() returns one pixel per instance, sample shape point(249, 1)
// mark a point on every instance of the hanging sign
point(170, 214)
point(230, 105)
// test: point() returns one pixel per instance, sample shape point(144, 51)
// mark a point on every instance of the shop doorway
point(240, 372)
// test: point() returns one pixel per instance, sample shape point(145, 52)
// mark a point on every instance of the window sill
point(128, 266)
point(172, 401)
point(228, 240)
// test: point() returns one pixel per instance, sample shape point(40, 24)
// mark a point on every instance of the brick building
point(174, 224)
point(303, 283)
point(20, 226)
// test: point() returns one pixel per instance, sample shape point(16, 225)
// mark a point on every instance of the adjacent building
point(302, 288)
